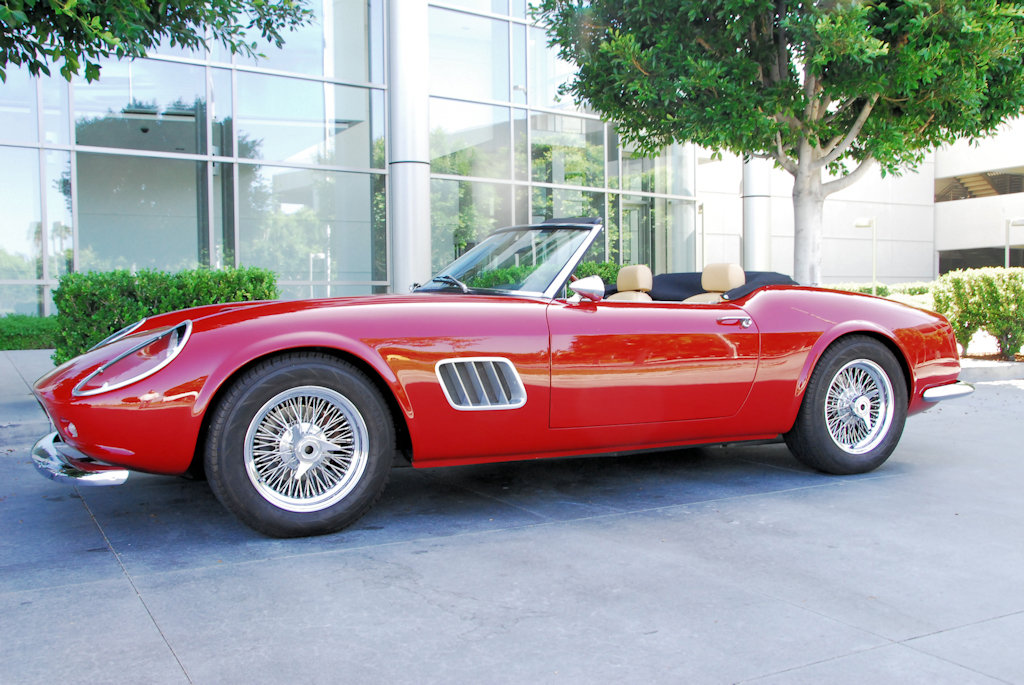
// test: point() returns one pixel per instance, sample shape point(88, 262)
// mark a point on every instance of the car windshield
point(530, 259)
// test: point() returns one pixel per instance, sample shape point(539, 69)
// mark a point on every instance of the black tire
point(300, 444)
point(854, 409)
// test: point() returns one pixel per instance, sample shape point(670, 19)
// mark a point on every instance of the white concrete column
point(757, 220)
point(409, 142)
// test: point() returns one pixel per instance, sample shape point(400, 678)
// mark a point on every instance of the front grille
point(481, 383)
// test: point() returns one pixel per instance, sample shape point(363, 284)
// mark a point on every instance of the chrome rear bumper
point(947, 392)
point(59, 461)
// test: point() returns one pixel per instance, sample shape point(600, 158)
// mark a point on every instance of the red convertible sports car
point(296, 411)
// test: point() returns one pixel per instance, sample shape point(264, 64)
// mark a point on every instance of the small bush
point(23, 332)
point(608, 271)
point(989, 299)
point(913, 288)
point(881, 289)
point(94, 305)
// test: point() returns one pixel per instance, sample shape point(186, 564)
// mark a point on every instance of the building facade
point(384, 140)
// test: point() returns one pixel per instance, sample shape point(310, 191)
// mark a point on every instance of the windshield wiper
point(450, 280)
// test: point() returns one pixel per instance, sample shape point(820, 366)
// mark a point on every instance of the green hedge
point(990, 300)
point(24, 332)
point(94, 305)
point(608, 271)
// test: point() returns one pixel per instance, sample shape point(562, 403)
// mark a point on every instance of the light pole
point(1019, 221)
point(869, 222)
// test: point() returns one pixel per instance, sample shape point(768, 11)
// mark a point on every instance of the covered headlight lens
point(138, 362)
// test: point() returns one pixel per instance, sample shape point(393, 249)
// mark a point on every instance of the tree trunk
point(808, 201)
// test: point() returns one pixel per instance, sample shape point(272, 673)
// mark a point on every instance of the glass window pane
point(567, 150)
point(143, 105)
point(469, 140)
point(138, 212)
point(221, 114)
point(463, 212)
point(658, 232)
point(55, 110)
point(468, 56)
point(312, 227)
point(302, 52)
point(18, 107)
point(21, 218)
point(22, 299)
point(354, 40)
point(519, 88)
point(547, 74)
point(520, 133)
point(671, 172)
point(491, 6)
point(552, 203)
point(59, 236)
point(284, 119)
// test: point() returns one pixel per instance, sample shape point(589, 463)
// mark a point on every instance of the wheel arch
point(827, 341)
point(403, 441)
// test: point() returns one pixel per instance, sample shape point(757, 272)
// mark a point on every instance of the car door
point(617, 363)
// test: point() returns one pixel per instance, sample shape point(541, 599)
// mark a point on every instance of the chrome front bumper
point(947, 392)
point(59, 461)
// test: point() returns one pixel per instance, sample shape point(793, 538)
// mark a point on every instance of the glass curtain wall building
point(185, 160)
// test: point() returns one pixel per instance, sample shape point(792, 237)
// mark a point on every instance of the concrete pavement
point(717, 565)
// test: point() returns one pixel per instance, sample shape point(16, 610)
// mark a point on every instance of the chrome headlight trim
point(124, 332)
point(183, 330)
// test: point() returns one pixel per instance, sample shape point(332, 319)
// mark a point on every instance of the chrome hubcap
point(859, 406)
point(306, 449)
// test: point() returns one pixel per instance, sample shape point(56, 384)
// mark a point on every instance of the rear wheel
point(854, 409)
point(300, 445)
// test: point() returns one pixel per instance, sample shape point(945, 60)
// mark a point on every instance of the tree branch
point(837, 151)
point(844, 182)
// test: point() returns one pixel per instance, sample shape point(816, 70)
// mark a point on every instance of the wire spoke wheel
point(306, 448)
point(859, 406)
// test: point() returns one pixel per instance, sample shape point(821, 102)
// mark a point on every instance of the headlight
point(142, 360)
point(127, 330)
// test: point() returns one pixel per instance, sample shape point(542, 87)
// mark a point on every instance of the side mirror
point(591, 287)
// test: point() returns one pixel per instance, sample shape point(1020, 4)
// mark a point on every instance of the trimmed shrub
point(913, 288)
point(94, 305)
point(608, 271)
point(24, 332)
point(989, 299)
point(881, 289)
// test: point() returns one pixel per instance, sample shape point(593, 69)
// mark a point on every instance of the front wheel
point(853, 411)
point(300, 445)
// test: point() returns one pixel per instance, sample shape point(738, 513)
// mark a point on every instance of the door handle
point(741, 321)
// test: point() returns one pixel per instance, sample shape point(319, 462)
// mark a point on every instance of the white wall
point(901, 206)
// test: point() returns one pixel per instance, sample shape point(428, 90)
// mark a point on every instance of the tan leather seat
point(633, 283)
point(717, 279)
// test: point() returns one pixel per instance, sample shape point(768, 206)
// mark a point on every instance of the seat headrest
point(635, 277)
point(722, 277)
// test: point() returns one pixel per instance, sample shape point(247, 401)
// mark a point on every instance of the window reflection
point(469, 140)
point(345, 41)
point(289, 120)
point(567, 150)
point(143, 105)
point(59, 235)
point(138, 212)
point(547, 74)
point(21, 220)
point(463, 212)
point(659, 232)
point(18, 107)
point(55, 110)
point(312, 226)
point(468, 56)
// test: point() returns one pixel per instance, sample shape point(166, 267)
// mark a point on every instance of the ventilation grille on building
point(481, 383)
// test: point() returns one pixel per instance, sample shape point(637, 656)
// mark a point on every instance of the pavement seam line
point(135, 589)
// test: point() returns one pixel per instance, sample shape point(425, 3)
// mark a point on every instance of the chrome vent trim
point(481, 383)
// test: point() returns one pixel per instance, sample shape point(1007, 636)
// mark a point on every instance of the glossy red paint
point(599, 377)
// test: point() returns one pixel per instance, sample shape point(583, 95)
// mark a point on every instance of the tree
point(835, 85)
point(38, 33)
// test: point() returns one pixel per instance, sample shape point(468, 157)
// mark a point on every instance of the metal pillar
point(409, 136)
point(757, 221)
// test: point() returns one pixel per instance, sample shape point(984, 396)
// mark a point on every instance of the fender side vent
point(481, 383)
